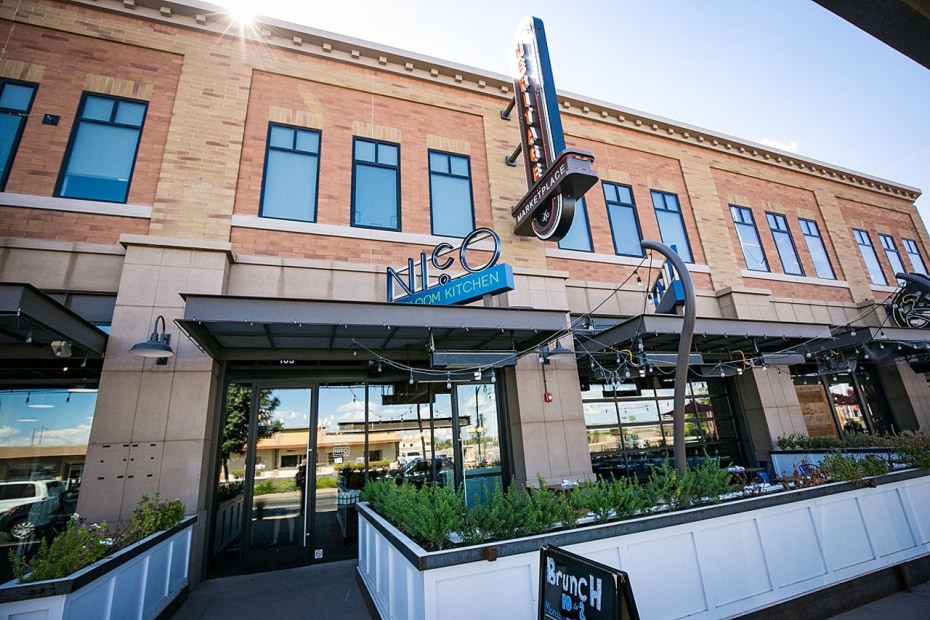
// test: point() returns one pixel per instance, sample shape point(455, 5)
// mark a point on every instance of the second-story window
point(624, 225)
point(103, 147)
point(817, 249)
point(913, 254)
point(787, 253)
point(376, 185)
point(671, 223)
point(891, 253)
point(869, 257)
point(578, 236)
point(15, 103)
point(745, 225)
point(292, 163)
point(451, 207)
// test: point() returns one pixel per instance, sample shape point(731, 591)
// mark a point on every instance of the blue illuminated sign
point(467, 288)
point(488, 278)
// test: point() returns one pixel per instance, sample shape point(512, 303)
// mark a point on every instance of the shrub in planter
point(436, 516)
point(81, 545)
point(853, 468)
point(705, 484)
point(913, 447)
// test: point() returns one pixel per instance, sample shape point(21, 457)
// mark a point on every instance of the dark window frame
point(864, 240)
point(655, 193)
point(892, 255)
point(782, 228)
point(612, 205)
point(811, 231)
point(79, 122)
point(745, 222)
point(355, 180)
point(268, 148)
point(912, 249)
point(449, 174)
point(580, 207)
point(23, 118)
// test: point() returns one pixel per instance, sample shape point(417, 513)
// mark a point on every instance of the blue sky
point(788, 73)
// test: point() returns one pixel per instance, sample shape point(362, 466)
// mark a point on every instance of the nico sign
point(571, 586)
point(556, 177)
point(479, 279)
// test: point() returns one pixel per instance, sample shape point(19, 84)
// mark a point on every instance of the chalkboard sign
point(573, 587)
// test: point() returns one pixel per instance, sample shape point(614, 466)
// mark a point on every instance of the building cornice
point(210, 18)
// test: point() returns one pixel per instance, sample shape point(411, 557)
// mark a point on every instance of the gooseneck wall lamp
point(157, 345)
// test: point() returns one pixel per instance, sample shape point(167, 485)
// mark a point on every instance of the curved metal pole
point(684, 350)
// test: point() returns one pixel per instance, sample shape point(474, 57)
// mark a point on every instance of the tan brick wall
point(67, 226)
point(72, 65)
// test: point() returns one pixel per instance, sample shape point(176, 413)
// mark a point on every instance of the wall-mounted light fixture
point(156, 346)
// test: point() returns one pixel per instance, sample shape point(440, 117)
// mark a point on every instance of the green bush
point(267, 486)
point(841, 466)
point(79, 545)
point(327, 482)
point(150, 516)
point(913, 447)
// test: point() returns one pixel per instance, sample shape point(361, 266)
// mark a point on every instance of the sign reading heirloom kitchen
point(556, 177)
point(488, 278)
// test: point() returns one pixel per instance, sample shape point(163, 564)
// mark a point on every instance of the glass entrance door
point(294, 459)
point(277, 477)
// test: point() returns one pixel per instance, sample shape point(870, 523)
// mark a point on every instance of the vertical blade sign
point(556, 177)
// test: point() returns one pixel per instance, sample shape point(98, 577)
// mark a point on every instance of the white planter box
point(135, 583)
point(714, 562)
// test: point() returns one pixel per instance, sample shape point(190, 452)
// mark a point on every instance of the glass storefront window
point(43, 445)
point(630, 430)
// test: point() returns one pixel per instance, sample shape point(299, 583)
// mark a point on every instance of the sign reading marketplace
point(556, 176)
point(488, 278)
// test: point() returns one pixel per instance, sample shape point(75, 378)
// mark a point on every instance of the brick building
point(166, 171)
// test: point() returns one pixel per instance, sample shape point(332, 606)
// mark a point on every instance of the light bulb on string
point(448, 382)
point(493, 376)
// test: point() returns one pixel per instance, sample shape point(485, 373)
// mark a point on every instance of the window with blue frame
point(578, 236)
point(671, 223)
point(817, 249)
point(103, 147)
point(451, 205)
point(624, 224)
point(292, 168)
point(753, 253)
point(913, 254)
point(891, 253)
point(787, 253)
point(376, 184)
point(15, 102)
point(867, 250)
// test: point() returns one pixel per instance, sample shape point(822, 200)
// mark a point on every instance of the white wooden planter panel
point(702, 568)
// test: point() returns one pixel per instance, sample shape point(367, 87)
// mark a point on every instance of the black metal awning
point(30, 321)
point(660, 333)
point(248, 328)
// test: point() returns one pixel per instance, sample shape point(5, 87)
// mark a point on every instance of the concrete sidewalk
point(330, 591)
point(325, 591)
point(901, 606)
